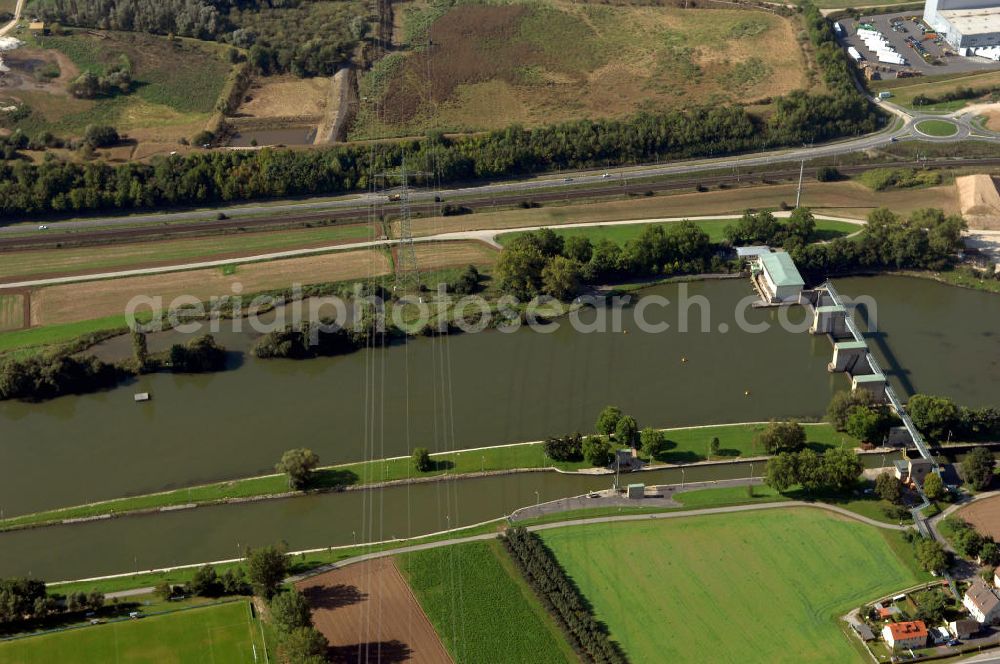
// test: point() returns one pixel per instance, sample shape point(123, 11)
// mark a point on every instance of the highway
point(568, 182)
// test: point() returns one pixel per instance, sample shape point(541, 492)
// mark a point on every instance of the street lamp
point(537, 499)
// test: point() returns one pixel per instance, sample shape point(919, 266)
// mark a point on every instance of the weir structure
point(852, 356)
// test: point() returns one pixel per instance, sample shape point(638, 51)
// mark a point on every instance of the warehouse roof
point(973, 21)
point(781, 268)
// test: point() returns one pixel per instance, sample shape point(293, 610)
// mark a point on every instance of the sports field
point(622, 233)
point(222, 634)
point(480, 606)
point(753, 587)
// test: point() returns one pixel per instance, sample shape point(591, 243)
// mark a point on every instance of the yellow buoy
point(747, 393)
point(684, 360)
point(624, 331)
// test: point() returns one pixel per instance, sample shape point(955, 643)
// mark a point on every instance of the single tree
point(989, 553)
point(164, 590)
point(934, 487)
point(597, 450)
point(290, 610)
point(266, 569)
point(841, 405)
point(713, 447)
point(841, 468)
point(608, 420)
point(653, 442)
point(810, 471)
point(626, 431)
point(778, 437)
point(867, 424)
point(205, 582)
point(934, 416)
point(977, 468)
point(304, 645)
point(931, 606)
point(422, 459)
point(888, 488)
point(298, 464)
point(561, 278)
point(782, 472)
point(931, 555)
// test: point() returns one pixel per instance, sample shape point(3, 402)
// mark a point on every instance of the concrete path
point(488, 236)
point(13, 23)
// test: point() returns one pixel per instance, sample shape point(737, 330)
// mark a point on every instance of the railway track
point(360, 215)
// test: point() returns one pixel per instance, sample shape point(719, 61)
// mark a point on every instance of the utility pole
point(798, 194)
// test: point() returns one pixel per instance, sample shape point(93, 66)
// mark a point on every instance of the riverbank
point(685, 446)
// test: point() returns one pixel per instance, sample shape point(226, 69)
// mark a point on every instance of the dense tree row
point(28, 599)
point(228, 176)
point(305, 38)
point(50, 376)
point(969, 543)
point(959, 93)
point(927, 239)
point(40, 378)
point(837, 469)
point(940, 419)
point(324, 340)
point(588, 637)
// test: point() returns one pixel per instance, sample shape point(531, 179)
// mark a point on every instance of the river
point(492, 388)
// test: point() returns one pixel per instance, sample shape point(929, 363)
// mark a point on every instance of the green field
point(937, 127)
point(222, 634)
point(751, 587)
point(905, 89)
point(683, 446)
point(11, 312)
point(622, 233)
point(481, 607)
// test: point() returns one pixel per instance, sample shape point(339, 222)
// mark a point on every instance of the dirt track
point(369, 614)
point(984, 515)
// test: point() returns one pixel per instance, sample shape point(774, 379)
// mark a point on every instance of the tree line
point(43, 377)
point(941, 419)
point(588, 637)
point(230, 176)
point(24, 599)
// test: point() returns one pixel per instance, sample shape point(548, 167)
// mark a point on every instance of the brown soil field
point(369, 614)
point(97, 299)
point(992, 120)
point(491, 65)
point(984, 515)
point(285, 97)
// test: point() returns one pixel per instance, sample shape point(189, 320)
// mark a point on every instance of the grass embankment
point(481, 607)
point(80, 260)
point(223, 634)
point(684, 445)
point(622, 233)
point(762, 586)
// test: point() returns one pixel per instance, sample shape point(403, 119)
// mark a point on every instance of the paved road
point(966, 131)
point(488, 236)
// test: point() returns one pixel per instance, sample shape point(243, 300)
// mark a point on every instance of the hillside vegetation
point(471, 66)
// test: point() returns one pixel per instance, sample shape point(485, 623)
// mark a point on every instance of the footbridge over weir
point(852, 356)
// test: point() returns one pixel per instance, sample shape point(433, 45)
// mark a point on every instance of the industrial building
point(965, 24)
point(776, 277)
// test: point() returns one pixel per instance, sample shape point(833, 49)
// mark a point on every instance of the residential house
point(905, 634)
point(964, 628)
point(982, 602)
